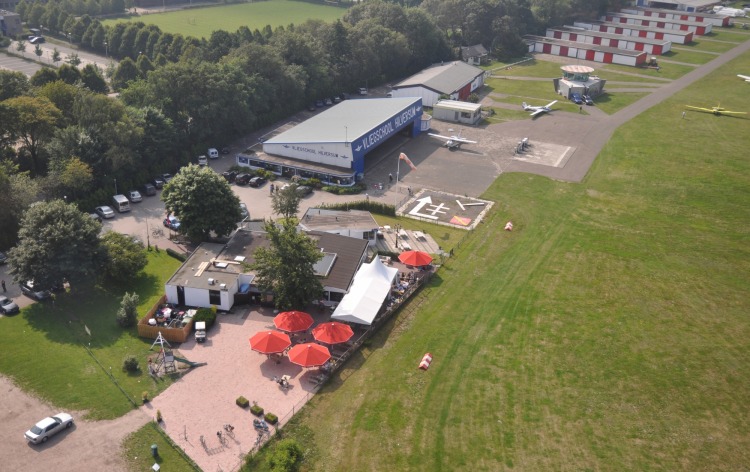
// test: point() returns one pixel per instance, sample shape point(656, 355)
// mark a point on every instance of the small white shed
point(458, 112)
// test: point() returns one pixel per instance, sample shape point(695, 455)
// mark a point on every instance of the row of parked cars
point(579, 99)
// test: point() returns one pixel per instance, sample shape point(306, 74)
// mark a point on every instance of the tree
point(92, 79)
point(17, 192)
point(38, 51)
point(285, 456)
point(56, 243)
point(55, 56)
point(286, 267)
point(285, 202)
point(127, 315)
point(76, 178)
point(44, 76)
point(124, 258)
point(73, 60)
point(203, 201)
point(34, 123)
point(21, 47)
point(126, 72)
point(13, 84)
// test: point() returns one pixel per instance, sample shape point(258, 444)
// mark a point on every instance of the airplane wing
point(699, 108)
point(463, 141)
point(550, 104)
point(726, 112)
point(537, 112)
point(746, 78)
point(441, 136)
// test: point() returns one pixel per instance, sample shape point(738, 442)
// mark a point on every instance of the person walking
point(4, 289)
point(683, 115)
point(271, 187)
point(390, 178)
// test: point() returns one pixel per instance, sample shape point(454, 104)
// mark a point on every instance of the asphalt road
point(10, 62)
point(48, 48)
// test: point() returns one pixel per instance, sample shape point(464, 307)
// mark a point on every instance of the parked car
point(243, 179)
point(135, 196)
point(303, 190)
point(37, 40)
point(225, 150)
point(256, 182)
point(213, 153)
point(158, 182)
point(229, 175)
point(149, 190)
point(319, 103)
point(311, 107)
point(105, 212)
point(576, 98)
point(336, 99)
point(95, 217)
point(48, 427)
point(172, 222)
point(8, 306)
point(3, 258)
point(166, 178)
point(243, 211)
point(328, 102)
point(31, 291)
point(363, 91)
point(588, 100)
point(202, 161)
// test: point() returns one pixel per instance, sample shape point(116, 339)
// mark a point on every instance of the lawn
point(201, 22)
point(137, 451)
point(608, 331)
point(689, 56)
point(44, 346)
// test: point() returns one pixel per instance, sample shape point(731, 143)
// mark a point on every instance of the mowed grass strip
point(137, 451)
point(608, 331)
point(201, 22)
point(44, 346)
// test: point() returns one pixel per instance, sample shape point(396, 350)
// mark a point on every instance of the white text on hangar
point(343, 135)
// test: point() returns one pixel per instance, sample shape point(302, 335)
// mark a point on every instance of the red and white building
point(693, 26)
point(620, 41)
point(584, 51)
point(673, 36)
point(702, 17)
point(456, 80)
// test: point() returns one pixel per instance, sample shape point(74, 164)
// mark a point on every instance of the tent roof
point(371, 286)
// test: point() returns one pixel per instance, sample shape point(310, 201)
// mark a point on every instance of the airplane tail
point(524, 105)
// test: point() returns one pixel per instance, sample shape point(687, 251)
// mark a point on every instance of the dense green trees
point(203, 201)
point(56, 243)
point(123, 258)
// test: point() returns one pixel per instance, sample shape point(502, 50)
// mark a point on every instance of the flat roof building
point(671, 35)
point(455, 79)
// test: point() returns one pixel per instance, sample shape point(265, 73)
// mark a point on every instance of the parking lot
point(21, 65)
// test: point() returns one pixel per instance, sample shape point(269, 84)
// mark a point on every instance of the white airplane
point(453, 142)
point(538, 110)
point(746, 78)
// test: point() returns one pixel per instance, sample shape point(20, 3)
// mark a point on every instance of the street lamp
point(70, 41)
point(106, 49)
point(115, 186)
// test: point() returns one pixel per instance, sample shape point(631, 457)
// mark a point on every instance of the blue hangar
point(332, 146)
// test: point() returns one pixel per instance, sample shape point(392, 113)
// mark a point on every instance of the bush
point(314, 183)
point(130, 364)
point(271, 418)
point(177, 255)
point(242, 402)
point(205, 314)
point(353, 190)
point(158, 416)
point(256, 410)
point(366, 205)
point(285, 456)
point(127, 315)
point(144, 397)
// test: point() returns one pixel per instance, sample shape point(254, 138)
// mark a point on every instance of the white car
point(135, 196)
point(105, 212)
point(213, 153)
point(49, 426)
point(202, 161)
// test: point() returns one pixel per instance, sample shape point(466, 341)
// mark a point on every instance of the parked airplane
point(538, 110)
point(746, 78)
point(453, 142)
point(717, 110)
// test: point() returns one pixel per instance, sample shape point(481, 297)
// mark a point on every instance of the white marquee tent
point(370, 287)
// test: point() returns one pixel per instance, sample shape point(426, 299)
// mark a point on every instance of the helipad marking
point(422, 202)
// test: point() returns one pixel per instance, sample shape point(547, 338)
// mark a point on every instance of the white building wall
point(429, 97)
point(333, 154)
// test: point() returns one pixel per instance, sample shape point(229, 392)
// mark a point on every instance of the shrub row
point(177, 255)
point(366, 205)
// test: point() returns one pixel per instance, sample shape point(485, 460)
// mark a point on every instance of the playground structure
point(165, 360)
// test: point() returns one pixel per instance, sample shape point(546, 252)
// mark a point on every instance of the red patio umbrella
point(332, 332)
point(309, 354)
point(415, 258)
point(293, 321)
point(270, 342)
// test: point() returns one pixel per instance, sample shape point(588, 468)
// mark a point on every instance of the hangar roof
point(587, 46)
point(443, 78)
point(638, 27)
point(344, 122)
point(689, 3)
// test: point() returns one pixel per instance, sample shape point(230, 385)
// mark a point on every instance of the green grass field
point(201, 22)
point(137, 452)
point(607, 332)
point(44, 346)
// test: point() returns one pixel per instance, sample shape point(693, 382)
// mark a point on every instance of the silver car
point(48, 427)
point(135, 196)
point(105, 212)
point(8, 306)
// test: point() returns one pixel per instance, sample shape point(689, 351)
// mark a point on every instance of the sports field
point(607, 332)
point(201, 22)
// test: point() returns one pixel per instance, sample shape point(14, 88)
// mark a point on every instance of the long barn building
point(692, 26)
point(584, 51)
point(582, 35)
point(698, 17)
point(673, 36)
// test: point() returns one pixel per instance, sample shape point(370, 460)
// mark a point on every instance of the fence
point(176, 335)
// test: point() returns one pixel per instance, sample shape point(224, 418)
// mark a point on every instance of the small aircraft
point(453, 142)
point(717, 110)
point(746, 78)
point(538, 110)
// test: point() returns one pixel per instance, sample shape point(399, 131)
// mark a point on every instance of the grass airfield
point(608, 331)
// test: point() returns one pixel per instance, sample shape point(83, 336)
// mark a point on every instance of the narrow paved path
point(594, 139)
